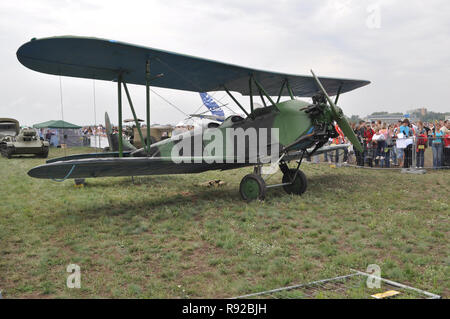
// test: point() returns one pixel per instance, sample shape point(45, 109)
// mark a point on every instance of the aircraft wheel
point(252, 187)
point(299, 185)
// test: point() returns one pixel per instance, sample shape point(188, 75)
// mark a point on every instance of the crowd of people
point(93, 130)
point(387, 145)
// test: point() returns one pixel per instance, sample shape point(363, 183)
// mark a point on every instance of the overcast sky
point(401, 46)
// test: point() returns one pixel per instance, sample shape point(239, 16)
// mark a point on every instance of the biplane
point(297, 128)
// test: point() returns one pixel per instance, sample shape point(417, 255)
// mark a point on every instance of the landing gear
point(252, 187)
point(294, 182)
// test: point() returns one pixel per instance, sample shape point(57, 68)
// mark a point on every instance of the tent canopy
point(56, 124)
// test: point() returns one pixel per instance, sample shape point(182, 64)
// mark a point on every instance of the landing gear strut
point(254, 187)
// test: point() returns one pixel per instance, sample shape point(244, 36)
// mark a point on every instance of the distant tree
point(354, 119)
point(431, 116)
point(379, 113)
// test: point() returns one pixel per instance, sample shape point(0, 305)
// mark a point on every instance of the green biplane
point(294, 128)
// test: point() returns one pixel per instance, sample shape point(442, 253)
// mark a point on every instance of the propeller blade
point(339, 117)
point(348, 132)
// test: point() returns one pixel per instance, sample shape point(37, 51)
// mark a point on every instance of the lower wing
point(129, 166)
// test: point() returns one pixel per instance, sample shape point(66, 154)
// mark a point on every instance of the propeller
point(339, 117)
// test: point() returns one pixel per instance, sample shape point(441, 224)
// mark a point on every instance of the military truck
point(157, 133)
point(8, 127)
point(14, 141)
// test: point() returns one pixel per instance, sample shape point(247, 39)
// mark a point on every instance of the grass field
point(168, 237)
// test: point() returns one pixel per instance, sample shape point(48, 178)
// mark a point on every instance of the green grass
point(168, 237)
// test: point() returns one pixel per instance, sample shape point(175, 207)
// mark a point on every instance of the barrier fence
point(403, 153)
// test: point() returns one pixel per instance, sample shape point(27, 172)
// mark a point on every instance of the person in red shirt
point(422, 141)
point(340, 140)
point(447, 146)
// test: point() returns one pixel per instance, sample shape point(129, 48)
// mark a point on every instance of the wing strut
point(119, 102)
point(281, 90)
point(236, 101)
point(121, 82)
point(147, 94)
point(251, 92)
point(261, 89)
point(138, 125)
point(289, 89)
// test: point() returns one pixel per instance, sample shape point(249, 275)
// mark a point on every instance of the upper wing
point(104, 59)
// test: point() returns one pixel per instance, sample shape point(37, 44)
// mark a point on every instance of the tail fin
point(212, 106)
point(113, 139)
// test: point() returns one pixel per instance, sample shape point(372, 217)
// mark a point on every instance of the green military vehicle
point(14, 141)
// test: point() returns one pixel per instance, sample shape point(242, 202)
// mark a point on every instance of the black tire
point(44, 153)
point(252, 187)
point(298, 187)
point(7, 152)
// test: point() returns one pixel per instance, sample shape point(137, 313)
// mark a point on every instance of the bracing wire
point(62, 111)
point(168, 102)
point(95, 110)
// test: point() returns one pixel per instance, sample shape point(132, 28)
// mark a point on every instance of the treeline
point(429, 117)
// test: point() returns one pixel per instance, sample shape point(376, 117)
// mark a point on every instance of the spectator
point(407, 131)
point(369, 147)
point(437, 146)
point(48, 136)
point(389, 144)
point(358, 155)
point(360, 134)
point(337, 141)
point(378, 143)
point(421, 138)
point(447, 145)
point(444, 127)
point(400, 150)
point(325, 154)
